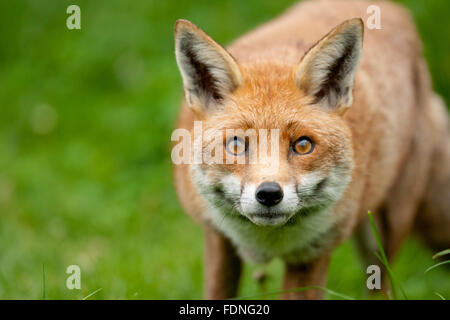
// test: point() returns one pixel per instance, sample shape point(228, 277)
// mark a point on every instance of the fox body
point(359, 129)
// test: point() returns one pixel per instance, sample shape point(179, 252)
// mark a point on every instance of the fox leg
point(222, 266)
point(396, 216)
point(433, 221)
point(426, 171)
point(400, 209)
point(402, 203)
point(304, 275)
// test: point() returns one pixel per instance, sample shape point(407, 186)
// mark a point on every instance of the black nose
point(269, 193)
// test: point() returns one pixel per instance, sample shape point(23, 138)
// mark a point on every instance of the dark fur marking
point(204, 82)
point(319, 187)
point(337, 71)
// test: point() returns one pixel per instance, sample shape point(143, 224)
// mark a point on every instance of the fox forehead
point(269, 88)
point(269, 99)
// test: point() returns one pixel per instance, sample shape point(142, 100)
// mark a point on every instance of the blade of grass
point(383, 259)
point(393, 286)
point(437, 265)
point(441, 253)
point(439, 295)
point(91, 294)
point(43, 283)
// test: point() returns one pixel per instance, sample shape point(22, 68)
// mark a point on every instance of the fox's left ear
point(327, 71)
point(209, 72)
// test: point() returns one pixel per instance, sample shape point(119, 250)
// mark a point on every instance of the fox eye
point(303, 146)
point(236, 146)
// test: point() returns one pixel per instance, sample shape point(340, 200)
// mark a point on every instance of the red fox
point(359, 128)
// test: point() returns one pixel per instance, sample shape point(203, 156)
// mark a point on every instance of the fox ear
point(327, 71)
point(209, 72)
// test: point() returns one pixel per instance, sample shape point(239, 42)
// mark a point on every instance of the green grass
point(43, 283)
point(381, 255)
point(85, 123)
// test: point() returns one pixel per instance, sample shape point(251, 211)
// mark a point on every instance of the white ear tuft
point(328, 69)
point(209, 72)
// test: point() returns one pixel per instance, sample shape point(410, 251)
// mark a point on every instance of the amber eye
point(236, 146)
point(303, 146)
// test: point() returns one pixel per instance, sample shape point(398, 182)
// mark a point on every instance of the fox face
point(276, 133)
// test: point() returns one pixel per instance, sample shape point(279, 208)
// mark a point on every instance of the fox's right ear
point(327, 71)
point(209, 72)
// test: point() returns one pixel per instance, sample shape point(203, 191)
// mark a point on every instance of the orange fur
point(387, 138)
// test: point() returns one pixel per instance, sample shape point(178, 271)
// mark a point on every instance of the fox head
point(303, 104)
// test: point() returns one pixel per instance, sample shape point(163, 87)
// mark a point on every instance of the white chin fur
point(263, 238)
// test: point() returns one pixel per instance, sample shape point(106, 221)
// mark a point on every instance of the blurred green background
point(85, 172)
